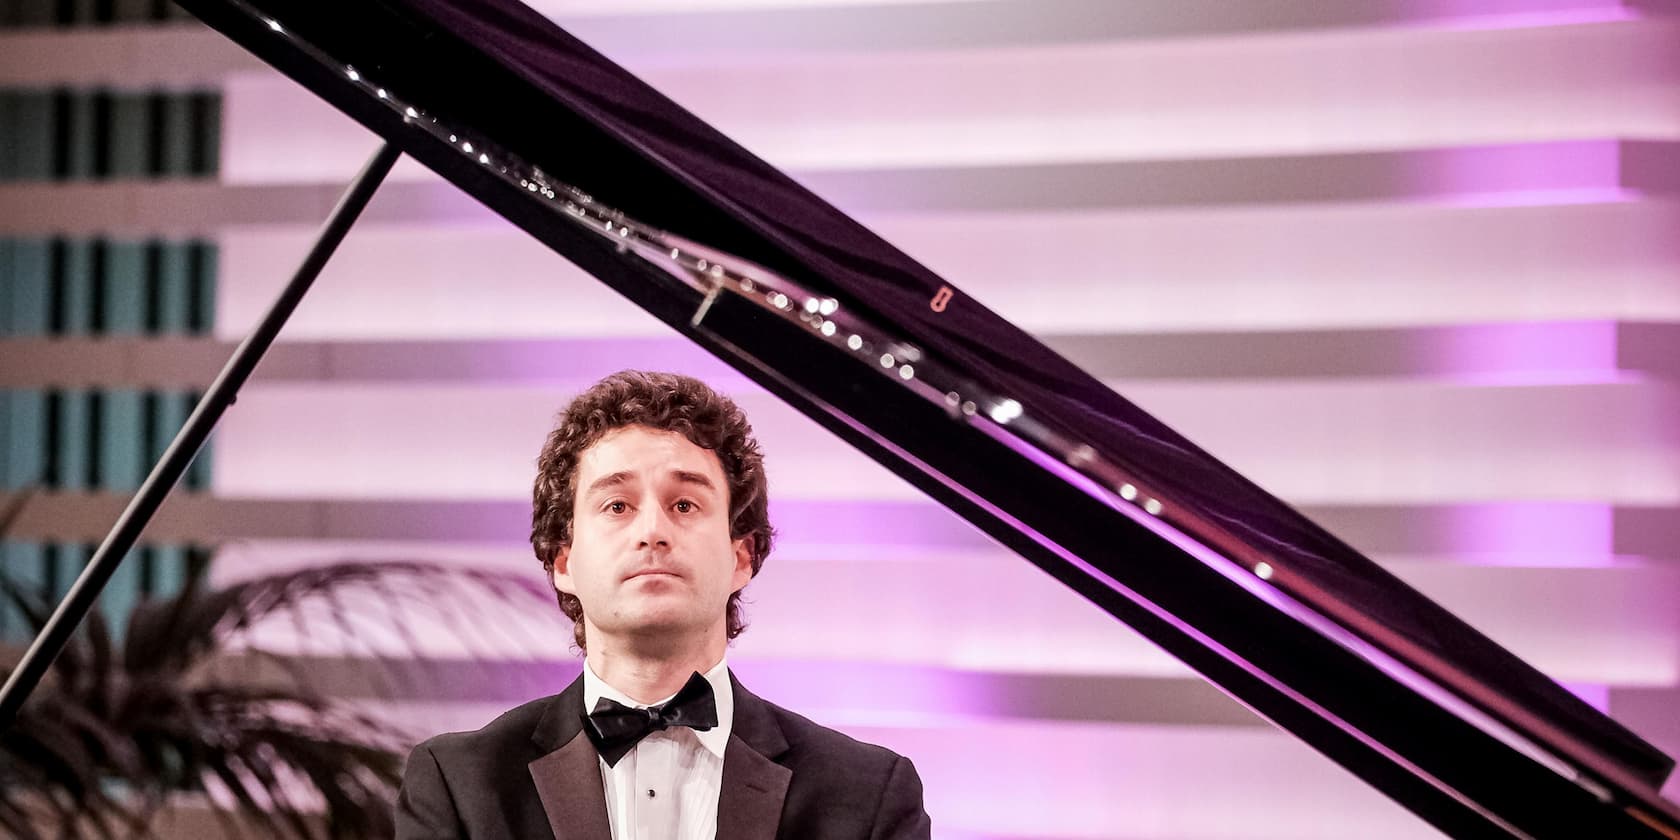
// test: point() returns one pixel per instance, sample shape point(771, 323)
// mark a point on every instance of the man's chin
point(654, 622)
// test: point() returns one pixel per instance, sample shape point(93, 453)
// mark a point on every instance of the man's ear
point(743, 548)
point(563, 571)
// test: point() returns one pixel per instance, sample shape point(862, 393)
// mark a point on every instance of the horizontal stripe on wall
point(1515, 533)
point(1366, 442)
point(1291, 94)
point(1528, 353)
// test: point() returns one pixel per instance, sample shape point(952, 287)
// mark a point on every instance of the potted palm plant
point(121, 729)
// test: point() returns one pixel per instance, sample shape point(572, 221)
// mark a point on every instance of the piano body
point(979, 415)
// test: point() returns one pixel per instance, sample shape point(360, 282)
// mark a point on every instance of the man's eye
point(684, 506)
point(617, 507)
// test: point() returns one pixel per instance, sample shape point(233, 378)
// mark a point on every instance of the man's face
point(651, 556)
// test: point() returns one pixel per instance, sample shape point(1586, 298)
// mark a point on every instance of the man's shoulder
point(843, 787)
point(511, 730)
point(833, 748)
point(477, 783)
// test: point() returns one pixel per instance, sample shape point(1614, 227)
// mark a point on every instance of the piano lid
point(975, 412)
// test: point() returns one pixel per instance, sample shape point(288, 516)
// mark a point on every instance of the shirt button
point(650, 793)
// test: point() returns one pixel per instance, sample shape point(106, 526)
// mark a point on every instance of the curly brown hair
point(667, 402)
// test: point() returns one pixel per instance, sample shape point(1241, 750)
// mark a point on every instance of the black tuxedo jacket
point(533, 774)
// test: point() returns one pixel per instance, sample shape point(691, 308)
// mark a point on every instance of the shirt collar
point(715, 739)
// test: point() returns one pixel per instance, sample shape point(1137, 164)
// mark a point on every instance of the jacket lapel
point(568, 775)
point(754, 785)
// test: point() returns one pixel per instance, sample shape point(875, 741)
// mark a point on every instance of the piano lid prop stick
point(169, 469)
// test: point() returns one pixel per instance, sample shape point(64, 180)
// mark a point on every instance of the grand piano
point(979, 415)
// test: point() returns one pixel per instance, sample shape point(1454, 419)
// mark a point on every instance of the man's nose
point(655, 527)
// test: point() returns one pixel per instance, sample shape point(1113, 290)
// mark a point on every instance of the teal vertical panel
point(73, 436)
point(122, 444)
point(169, 570)
point(198, 474)
point(125, 288)
point(17, 451)
point(6, 293)
point(171, 409)
point(7, 434)
point(176, 134)
point(204, 319)
point(81, 136)
point(170, 414)
point(23, 271)
point(122, 447)
point(175, 277)
point(76, 287)
point(25, 564)
point(10, 408)
point(130, 138)
point(204, 293)
point(64, 563)
point(32, 115)
point(169, 563)
point(122, 593)
point(31, 290)
point(23, 462)
point(6, 409)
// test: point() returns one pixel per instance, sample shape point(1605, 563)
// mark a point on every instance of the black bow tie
point(616, 728)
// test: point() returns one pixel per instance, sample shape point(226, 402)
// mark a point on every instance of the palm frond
point(103, 743)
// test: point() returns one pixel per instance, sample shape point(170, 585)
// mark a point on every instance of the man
point(649, 516)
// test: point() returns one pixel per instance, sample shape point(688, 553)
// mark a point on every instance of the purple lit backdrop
point(1435, 243)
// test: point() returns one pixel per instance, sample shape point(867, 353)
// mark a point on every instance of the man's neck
point(649, 676)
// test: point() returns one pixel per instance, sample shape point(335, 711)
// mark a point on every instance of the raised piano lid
point(980, 415)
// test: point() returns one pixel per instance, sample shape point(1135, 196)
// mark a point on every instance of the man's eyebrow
point(623, 477)
point(609, 480)
point(689, 477)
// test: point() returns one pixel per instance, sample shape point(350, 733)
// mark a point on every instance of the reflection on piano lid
point(981, 416)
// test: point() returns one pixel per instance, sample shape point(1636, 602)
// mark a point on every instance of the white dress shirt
point(667, 786)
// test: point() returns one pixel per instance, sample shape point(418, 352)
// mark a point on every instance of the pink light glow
point(1556, 168)
point(1573, 14)
point(1536, 534)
